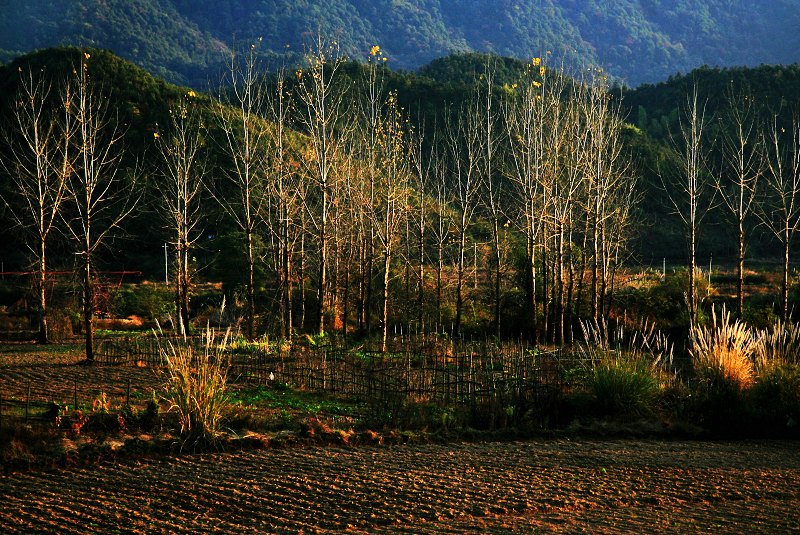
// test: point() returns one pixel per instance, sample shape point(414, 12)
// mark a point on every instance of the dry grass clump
point(724, 351)
point(648, 344)
point(196, 386)
point(779, 345)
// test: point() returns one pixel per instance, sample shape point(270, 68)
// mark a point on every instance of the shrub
point(722, 356)
point(196, 387)
point(627, 369)
point(624, 387)
point(760, 311)
point(775, 395)
point(147, 300)
point(664, 301)
point(780, 345)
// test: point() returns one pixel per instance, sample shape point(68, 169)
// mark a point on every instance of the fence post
point(27, 402)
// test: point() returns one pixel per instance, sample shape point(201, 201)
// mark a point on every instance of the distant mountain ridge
point(635, 40)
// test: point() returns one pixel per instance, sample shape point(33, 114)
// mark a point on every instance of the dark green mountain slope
point(657, 107)
point(636, 40)
point(151, 33)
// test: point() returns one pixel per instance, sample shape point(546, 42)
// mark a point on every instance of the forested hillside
point(636, 41)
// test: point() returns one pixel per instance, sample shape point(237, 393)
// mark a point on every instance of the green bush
point(760, 311)
point(624, 387)
point(626, 367)
point(149, 301)
point(720, 406)
point(664, 301)
point(775, 395)
point(10, 293)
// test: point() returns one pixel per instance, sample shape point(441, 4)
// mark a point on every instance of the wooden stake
point(27, 403)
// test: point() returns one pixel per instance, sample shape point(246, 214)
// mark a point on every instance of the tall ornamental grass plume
point(775, 394)
point(648, 344)
point(779, 346)
point(723, 352)
point(196, 385)
point(627, 370)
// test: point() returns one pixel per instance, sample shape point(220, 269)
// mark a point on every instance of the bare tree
point(609, 185)
point(421, 176)
point(373, 101)
point(492, 181)
point(182, 167)
point(561, 184)
point(284, 200)
point(240, 110)
point(530, 111)
point(689, 196)
point(39, 163)
point(392, 193)
point(442, 228)
point(464, 145)
point(322, 111)
point(99, 204)
point(737, 182)
point(780, 209)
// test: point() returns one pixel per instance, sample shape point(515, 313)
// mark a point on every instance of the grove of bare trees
point(509, 215)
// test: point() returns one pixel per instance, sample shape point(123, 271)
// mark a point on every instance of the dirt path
point(519, 487)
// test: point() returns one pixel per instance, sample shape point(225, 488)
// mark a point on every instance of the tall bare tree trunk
point(42, 294)
point(88, 308)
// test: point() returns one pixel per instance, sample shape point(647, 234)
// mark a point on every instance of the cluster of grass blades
point(723, 352)
point(196, 387)
point(626, 369)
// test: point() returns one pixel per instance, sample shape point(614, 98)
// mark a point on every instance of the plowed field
point(53, 374)
point(517, 487)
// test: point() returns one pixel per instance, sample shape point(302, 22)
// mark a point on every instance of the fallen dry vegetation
point(513, 487)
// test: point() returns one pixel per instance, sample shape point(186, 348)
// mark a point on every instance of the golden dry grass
point(725, 350)
point(196, 386)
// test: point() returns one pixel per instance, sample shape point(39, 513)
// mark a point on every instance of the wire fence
point(413, 369)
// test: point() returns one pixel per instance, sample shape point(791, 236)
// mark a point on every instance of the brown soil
point(519, 487)
point(56, 373)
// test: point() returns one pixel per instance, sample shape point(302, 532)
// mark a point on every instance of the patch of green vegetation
point(149, 301)
point(624, 387)
point(283, 397)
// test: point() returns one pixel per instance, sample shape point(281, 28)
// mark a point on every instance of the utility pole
point(710, 260)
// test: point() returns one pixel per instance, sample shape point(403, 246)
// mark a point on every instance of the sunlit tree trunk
point(779, 210)
point(688, 197)
point(183, 168)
